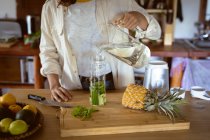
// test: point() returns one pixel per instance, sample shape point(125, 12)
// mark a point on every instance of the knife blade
point(48, 102)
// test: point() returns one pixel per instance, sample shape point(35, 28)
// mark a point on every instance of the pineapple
point(138, 97)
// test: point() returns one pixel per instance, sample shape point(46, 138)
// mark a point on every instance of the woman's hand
point(131, 20)
point(60, 94)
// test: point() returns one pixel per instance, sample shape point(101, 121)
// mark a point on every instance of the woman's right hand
point(60, 94)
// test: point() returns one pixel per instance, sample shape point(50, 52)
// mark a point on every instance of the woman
point(72, 29)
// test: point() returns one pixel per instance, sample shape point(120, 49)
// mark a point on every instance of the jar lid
point(157, 64)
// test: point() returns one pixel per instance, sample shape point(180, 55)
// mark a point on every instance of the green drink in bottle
point(97, 81)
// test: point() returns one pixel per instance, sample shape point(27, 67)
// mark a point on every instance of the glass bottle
point(97, 81)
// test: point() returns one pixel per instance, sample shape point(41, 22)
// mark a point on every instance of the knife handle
point(35, 97)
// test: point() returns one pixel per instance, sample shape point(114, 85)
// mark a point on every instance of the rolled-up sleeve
point(48, 52)
point(153, 30)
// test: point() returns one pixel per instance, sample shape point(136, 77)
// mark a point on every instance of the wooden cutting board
point(113, 118)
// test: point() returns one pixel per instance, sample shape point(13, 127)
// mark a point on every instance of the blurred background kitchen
point(185, 42)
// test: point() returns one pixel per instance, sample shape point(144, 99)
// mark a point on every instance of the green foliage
point(97, 91)
point(167, 104)
point(32, 39)
point(82, 112)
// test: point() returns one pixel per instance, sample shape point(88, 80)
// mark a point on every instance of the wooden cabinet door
point(28, 7)
point(32, 7)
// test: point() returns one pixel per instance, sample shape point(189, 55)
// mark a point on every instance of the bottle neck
point(98, 65)
point(83, 0)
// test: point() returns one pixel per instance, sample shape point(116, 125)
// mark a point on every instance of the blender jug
point(156, 77)
point(133, 53)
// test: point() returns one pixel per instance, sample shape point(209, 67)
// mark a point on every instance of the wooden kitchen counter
point(180, 48)
point(197, 112)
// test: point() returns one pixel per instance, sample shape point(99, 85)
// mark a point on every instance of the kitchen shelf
point(153, 11)
point(165, 16)
point(21, 50)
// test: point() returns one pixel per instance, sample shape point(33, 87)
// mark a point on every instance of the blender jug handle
point(131, 37)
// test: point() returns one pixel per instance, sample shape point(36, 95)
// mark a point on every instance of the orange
point(7, 99)
point(31, 107)
point(15, 108)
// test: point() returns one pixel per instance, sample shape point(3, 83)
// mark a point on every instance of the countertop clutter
point(10, 32)
point(196, 112)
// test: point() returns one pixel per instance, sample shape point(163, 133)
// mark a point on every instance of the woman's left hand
point(131, 20)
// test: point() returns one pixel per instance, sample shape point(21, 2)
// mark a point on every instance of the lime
point(18, 127)
point(4, 124)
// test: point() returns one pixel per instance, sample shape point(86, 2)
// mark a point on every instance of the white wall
point(8, 8)
point(187, 29)
point(208, 11)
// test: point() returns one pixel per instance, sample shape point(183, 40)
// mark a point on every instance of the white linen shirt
point(56, 53)
point(83, 34)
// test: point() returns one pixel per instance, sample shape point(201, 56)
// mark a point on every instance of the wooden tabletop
point(197, 112)
point(180, 48)
point(19, 49)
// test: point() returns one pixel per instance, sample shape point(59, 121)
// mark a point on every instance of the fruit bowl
point(36, 125)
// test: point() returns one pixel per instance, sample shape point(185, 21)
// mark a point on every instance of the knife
point(48, 102)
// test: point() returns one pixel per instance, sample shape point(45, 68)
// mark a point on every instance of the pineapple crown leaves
point(167, 103)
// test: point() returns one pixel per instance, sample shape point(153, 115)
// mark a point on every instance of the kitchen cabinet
point(13, 57)
point(202, 11)
point(28, 7)
point(9, 69)
point(23, 51)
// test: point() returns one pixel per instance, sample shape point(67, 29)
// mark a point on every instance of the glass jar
point(97, 81)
